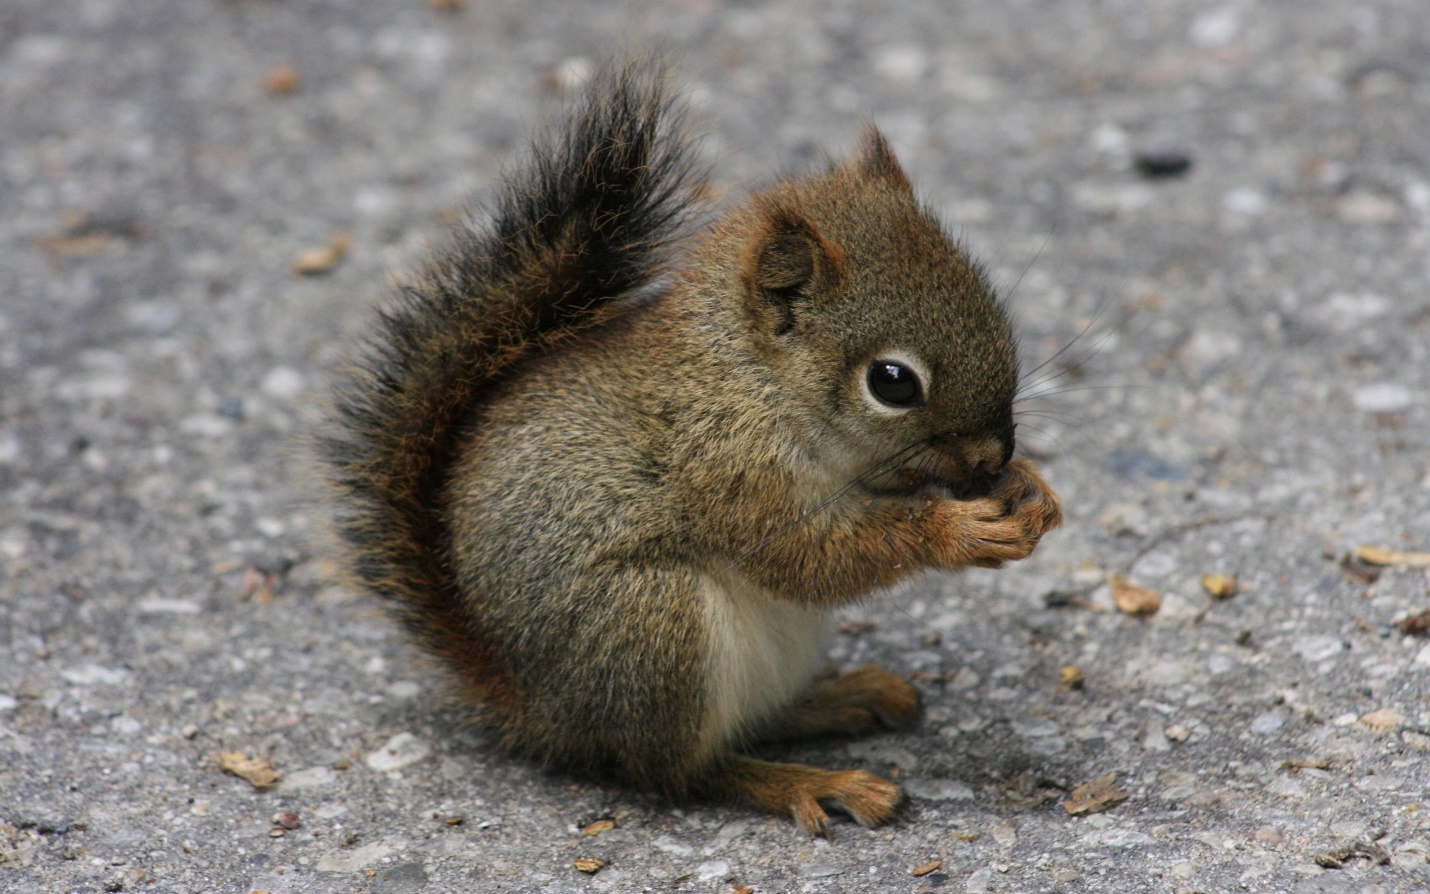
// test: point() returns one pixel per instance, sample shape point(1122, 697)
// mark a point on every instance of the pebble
point(1317, 648)
point(1162, 163)
point(1382, 397)
point(1244, 202)
point(94, 675)
point(313, 777)
point(1423, 656)
point(979, 881)
point(402, 750)
point(939, 790)
point(1217, 27)
point(881, 753)
point(283, 383)
point(903, 63)
point(8, 703)
point(1269, 722)
point(1268, 835)
point(354, 859)
point(1361, 207)
point(1034, 727)
point(711, 870)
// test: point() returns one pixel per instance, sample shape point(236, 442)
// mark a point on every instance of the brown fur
point(569, 493)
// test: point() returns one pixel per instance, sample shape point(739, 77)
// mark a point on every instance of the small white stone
point(902, 63)
point(353, 860)
point(711, 870)
point(1317, 648)
point(313, 777)
point(1269, 722)
point(158, 606)
point(283, 383)
point(93, 674)
point(1035, 727)
point(8, 703)
point(939, 789)
point(402, 750)
point(979, 881)
point(1382, 397)
point(1423, 656)
point(1361, 207)
point(1216, 28)
point(1245, 202)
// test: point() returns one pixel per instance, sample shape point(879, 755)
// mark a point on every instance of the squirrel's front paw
point(1002, 527)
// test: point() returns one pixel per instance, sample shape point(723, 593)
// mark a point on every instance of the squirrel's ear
point(877, 160)
point(783, 256)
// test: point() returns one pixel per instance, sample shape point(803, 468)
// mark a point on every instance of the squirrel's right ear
point(878, 160)
point(785, 255)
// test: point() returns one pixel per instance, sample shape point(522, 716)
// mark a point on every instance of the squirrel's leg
point(799, 791)
point(859, 702)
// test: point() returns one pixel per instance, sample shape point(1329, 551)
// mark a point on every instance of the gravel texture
point(1223, 208)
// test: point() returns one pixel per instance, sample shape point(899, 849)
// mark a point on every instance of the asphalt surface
point(1247, 394)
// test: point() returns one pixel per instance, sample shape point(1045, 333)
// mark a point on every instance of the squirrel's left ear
point(783, 258)
point(877, 160)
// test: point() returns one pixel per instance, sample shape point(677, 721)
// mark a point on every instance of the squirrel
point(616, 477)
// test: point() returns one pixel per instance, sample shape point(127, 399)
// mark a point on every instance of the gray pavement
point(1248, 395)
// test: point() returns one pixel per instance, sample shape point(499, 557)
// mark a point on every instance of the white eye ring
point(899, 396)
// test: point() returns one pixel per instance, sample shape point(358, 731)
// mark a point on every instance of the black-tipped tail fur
point(588, 219)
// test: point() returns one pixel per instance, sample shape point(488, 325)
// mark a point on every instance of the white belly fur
point(763, 652)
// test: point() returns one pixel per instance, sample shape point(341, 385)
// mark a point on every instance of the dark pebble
point(1160, 163)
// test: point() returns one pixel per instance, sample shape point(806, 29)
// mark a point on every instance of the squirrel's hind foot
point(803, 792)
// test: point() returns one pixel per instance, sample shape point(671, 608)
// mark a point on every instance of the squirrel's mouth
point(963, 487)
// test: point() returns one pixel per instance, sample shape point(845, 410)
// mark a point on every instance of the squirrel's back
point(588, 219)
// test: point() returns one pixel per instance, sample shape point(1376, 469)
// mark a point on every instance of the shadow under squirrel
point(616, 487)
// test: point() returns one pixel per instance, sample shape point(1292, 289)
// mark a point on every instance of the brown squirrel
point(619, 496)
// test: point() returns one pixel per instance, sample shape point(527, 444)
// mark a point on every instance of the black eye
point(894, 384)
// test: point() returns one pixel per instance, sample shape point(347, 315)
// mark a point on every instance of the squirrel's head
point(873, 321)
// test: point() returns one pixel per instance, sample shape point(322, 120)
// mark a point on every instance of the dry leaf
point(259, 771)
point(1132, 599)
point(281, 80)
point(1382, 721)
point(1379, 555)
point(1417, 624)
point(1219, 586)
point(926, 868)
point(590, 867)
point(738, 888)
point(599, 826)
point(321, 260)
point(1071, 676)
point(1094, 797)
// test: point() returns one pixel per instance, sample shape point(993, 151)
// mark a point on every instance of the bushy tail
point(588, 219)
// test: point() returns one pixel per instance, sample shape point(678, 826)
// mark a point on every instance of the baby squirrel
point(618, 495)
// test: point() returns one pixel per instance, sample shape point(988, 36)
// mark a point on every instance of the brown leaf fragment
point(738, 888)
point(1417, 624)
point(1132, 599)
point(1337, 857)
point(1095, 796)
point(281, 80)
point(590, 867)
point(1382, 721)
point(1219, 586)
point(320, 260)
point(924, 869)
point(1359, 572)
point(258, 771)
point(1300, 763)
point(1380, 555)
point(599, 826)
